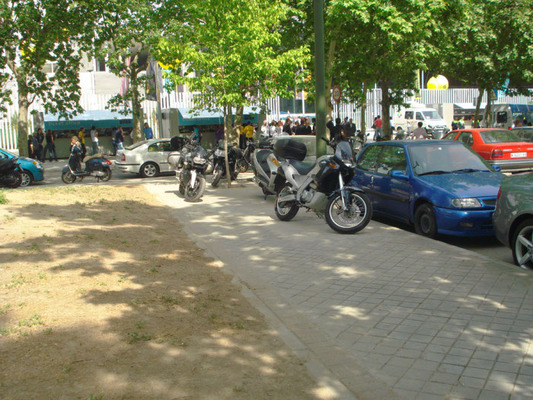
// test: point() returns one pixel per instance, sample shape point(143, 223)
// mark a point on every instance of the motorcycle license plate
point(519, 155)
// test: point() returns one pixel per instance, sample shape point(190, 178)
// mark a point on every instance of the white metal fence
point(8, 121)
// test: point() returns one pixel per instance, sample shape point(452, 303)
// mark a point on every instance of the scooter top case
point(95, 162)
point(290, 149)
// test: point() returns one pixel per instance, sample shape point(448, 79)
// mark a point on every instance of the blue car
point(32, 170)
point(440, 187)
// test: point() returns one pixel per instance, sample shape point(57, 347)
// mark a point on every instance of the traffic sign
point(337, 93)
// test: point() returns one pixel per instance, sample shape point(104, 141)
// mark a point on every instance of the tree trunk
point(136, 108)
point(22, 125)
point(239, 114)
point(475, 124)
point(363, 111)
point(228, 133)
point(329, 66)
point(385, 109)
point(488, 113)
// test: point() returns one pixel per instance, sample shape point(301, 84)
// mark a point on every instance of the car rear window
point(499, 136)
point(135, 145)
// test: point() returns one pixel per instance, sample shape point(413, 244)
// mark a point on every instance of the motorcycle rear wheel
point(288, 210)
point(351, 221)
point(107, 176)
point(68, 178)
point(196, 192)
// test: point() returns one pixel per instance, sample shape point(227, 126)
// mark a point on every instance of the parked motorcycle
point(321, 187)
point(10, 173)
point(219, 163)
point(190, 164)
point(96, 165)
point(244, 162)
point(265, 166)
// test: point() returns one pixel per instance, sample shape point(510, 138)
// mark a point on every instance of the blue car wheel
point(27, 178)
point(425, 221)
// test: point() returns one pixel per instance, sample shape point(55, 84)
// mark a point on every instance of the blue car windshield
point(444, 159)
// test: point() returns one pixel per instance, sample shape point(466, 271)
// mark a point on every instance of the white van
point(408, 119)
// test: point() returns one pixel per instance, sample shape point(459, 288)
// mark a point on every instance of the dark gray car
point(513, 217)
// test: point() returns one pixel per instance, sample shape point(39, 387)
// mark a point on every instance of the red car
point(500, 147)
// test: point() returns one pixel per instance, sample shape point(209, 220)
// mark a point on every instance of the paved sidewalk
point(383, 314)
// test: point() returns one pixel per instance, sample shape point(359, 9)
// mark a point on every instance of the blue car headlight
point(466, 203)
point(37, 164)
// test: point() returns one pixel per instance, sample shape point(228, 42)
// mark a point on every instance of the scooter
point(10, 173)
point(95, 165)
point(265, 167)
point(245, 161)
point(322, 187)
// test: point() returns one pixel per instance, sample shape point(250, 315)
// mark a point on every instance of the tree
point(128, 30)
point(489, 44)
point(385, 43)
point(32, 34)
point(231, 52)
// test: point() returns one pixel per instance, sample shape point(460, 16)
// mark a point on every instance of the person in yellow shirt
point(249, 131)
point(81, 138)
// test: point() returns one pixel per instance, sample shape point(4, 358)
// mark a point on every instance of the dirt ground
point(103, 296)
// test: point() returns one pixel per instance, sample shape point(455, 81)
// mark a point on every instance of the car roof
point(411, 143)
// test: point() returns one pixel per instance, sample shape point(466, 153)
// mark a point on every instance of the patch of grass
point(4, 309)
point(3, 198)
point(35, 248)
point(57, 267)
point(96, 397)
point(34, 320)
point(42, 275)
point(122, 279)
point(169, 300)
point(10, 217)
point(90, 236)
point(140, 324)
point(17, 280)
point(134, 337)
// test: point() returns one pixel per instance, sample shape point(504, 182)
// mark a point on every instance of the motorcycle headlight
point(466, 203)
point(198, 160)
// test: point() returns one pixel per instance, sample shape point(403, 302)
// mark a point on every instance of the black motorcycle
point(219, 163)
point(244, 162)
point(96, 166)
point(190, 163)
point(10, 173)
point(323, 187)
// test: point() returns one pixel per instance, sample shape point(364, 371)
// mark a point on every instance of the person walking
point(148, 132)
point(81, 139)
point(378, 125)
point(40, 148)
point(420, 133)
point(94, 139)
point(50, 145)
point(119, 138)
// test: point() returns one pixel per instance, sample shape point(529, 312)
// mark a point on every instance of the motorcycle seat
point(302, 167)
point(93, 156)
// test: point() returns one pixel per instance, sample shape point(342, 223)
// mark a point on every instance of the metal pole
point(320, 78)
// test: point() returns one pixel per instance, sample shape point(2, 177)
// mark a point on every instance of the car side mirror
point(399, 174)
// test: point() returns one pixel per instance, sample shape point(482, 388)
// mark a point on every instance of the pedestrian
point(420, 133)
point(36, 151)
point(196, 134)
point(40, 149)
point(349, 127)
point(265, 129)
point(313, 129)
point(81, 139)
point(50, 145)
point(219, 134)
point(249, 132)
point(287, 126)
point(119, 138)
point(148, 132)
point(76, 153)
point(94, 139)
point(30, 146)
point(378, 125)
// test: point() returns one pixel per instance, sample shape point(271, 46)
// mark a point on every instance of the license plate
point(518, 155)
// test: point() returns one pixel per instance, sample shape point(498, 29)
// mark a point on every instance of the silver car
point(513, 217)
point(147, 158)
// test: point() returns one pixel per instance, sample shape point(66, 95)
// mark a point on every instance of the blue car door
point(366, 173)
point(392, 193)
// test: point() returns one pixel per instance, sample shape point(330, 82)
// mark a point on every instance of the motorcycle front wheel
point(217, 174)
point(68, 178)
point(352, 220)
point(285, 211)
point(196, 192)
point(242, 165)
point(14, 179)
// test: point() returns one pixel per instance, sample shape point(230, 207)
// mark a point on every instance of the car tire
point(522, 244)
point(149, 170)
point(27, 179)
point(425, 221)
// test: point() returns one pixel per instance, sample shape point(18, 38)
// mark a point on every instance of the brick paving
point(383, 314)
